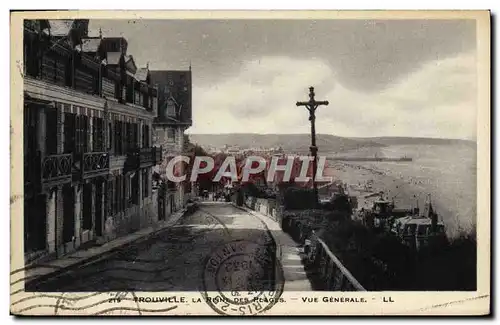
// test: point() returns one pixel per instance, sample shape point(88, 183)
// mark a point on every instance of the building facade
point(88, 146)
point(173, 119)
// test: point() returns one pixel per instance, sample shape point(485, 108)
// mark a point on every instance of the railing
point(56, 169)
point(149, 156)
point(95, 164)
point(334, 274)
point(146, 156)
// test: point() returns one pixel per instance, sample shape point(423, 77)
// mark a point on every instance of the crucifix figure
point(311, 106)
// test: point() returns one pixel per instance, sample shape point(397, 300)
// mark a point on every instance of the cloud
point(438, 99)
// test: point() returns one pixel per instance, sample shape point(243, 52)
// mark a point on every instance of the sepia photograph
point(272, 163)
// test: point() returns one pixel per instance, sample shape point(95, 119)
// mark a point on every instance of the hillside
point(289, 142)
point(415, 141)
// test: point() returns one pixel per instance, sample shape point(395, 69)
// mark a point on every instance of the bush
point(451, 268)
point(250, 189)
point(299, 199)
point(300, 223)
point(383, 262)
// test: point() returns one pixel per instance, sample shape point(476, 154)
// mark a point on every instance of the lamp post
point(311, 106)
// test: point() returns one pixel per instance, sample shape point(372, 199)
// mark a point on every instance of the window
point(170, 108)
point(69, 132)
point(98, 133)
point(51, 130)
point(108, 88)
point(155, 103)
point(82, 126)
point(130, 90)
point(118, 138)
point(137, 97)
point(171, 135)
point(135, 135)
point(145, 136)
point(131, 136)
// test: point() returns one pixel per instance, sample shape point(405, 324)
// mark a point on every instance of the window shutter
point(78, 134)
point(86, 133)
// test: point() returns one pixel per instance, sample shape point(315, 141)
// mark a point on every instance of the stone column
point(139, 181)
point(50, 202)
point(103, 206)
point(60, 128)
point(150, 180)
point(139, 134)
point(91, 134)
point(78, 190)
point(59, 213)
point(93, 200)
point(41, 129)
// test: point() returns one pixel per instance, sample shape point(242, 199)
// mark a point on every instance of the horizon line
point(340, 136)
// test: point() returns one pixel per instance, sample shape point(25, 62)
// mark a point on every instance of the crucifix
point(311, 106)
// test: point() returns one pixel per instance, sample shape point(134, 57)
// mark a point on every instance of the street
point(173, 260)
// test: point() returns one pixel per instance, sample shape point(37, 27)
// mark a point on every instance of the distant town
point(239, 151)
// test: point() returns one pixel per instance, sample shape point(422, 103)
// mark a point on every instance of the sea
point(446, 172)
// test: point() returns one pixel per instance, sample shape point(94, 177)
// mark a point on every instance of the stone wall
point(132, 219)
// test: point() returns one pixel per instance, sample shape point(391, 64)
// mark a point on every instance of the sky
point(381, 77)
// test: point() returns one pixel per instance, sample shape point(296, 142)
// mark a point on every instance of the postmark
point(243, 278)
point(97, 303)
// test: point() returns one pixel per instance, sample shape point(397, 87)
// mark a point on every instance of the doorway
point(68, 213)
point(99, 190)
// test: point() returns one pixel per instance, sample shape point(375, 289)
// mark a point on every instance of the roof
point(113, 58)
point(130, 63)
point(90, 44)
point(417, 221)
point(162, 76)
point(60, 27)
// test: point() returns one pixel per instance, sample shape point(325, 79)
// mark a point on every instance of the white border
point(187, 4)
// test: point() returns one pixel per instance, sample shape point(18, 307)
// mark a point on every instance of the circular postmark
point(242, 278)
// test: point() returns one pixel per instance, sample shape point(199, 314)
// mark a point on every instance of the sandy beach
point(407, 191)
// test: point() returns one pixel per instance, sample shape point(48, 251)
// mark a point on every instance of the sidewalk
point(39, 272)
point(293, 269)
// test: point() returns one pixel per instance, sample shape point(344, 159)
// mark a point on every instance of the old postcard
point(250, 163)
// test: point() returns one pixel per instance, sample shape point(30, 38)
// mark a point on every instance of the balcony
point(95, 164)
point(146, 157)
point(143, 157)
point(56, 170)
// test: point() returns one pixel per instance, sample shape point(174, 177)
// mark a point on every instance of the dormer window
point(171, 107)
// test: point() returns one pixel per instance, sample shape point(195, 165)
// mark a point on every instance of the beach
point(447, 173)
